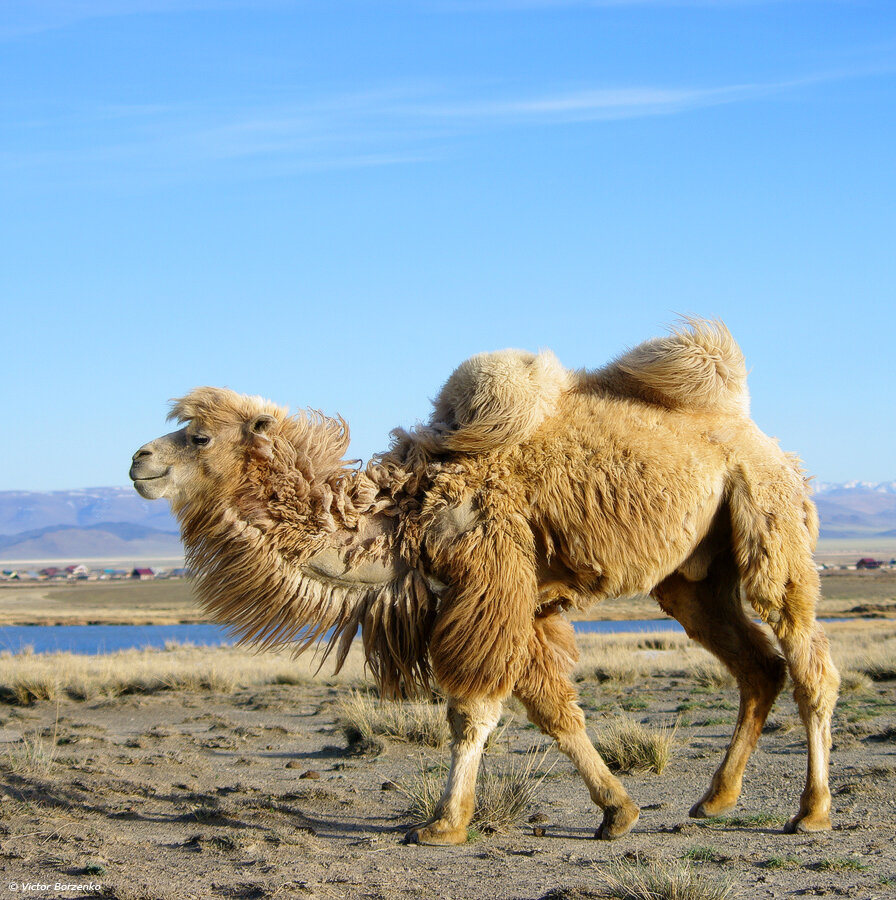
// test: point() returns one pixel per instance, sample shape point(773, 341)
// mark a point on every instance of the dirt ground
point(257, 793)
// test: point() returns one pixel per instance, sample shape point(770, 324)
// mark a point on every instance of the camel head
point(223, 433)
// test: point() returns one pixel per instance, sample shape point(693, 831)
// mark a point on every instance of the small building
point(868, 563)
point(143, 574)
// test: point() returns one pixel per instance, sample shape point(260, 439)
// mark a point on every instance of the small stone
point(539, 831)
point(310, 774)
point(388, 786)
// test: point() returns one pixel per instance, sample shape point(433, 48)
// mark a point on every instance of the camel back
point(501, 399)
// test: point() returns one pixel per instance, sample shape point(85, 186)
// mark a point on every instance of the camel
point(531, 491)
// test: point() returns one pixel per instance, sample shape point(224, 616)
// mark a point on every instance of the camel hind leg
point(815, 684)
point(545, 690)
point(712, 614)
point(774, 527)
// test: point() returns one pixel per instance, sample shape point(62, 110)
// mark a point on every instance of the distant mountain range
point(68, 526)
point(857, 509)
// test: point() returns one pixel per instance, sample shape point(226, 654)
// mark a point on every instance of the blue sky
point(334, 203)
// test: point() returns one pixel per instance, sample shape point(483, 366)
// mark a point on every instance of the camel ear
point(259, 439)
point(261, 424)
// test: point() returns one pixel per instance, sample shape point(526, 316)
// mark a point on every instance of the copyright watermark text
point(27, 887)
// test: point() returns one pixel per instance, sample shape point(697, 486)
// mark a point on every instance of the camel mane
point(263, 552)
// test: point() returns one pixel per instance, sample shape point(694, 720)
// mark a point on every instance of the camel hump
point(493, 400)
point(698, 366)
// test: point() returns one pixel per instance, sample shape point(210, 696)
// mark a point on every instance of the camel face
point(204, 459)
point(167, 466)
point(187, 464)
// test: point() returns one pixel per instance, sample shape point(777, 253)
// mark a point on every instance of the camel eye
point(200, 440)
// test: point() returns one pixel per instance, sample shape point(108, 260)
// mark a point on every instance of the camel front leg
point(547, 693)
point(471, 723)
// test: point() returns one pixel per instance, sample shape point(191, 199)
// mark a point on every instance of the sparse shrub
point(212, 678)
point(503, 794)
point(29, 688)
point(629, 746)
point(657, 880)
point(423, 790)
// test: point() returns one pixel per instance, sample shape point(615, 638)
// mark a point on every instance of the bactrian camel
point(531, 491)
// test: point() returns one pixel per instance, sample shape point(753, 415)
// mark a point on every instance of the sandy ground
point(256, 793)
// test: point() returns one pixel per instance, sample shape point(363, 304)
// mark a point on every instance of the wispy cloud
point(367, 128)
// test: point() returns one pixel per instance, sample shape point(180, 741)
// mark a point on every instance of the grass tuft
point(661, 880)
point(841, 864)
point(32, 755)
point(710, 673)
point(855, 682)
point(366, 720)
point(629, 746)
point(502, 794)
point(782, 862)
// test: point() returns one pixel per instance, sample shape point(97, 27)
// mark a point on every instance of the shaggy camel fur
point(531, 491)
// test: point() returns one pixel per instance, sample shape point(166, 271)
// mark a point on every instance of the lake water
point(93, 639)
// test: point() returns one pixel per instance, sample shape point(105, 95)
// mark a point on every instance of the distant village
point(80, 572)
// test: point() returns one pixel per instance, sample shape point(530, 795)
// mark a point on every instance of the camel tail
point(698, 366)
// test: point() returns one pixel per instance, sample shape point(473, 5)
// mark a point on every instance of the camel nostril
point(142, 452)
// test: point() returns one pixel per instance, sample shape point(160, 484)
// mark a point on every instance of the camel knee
point(557, 719)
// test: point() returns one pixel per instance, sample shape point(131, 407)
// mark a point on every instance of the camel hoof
point(807, 823)
point(436, 836)
point(617, 821)
point(706, 809)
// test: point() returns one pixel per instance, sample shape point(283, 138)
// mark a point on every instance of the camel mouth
point(139, 478)
point(150, 487)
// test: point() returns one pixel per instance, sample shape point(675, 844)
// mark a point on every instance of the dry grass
point(853, 682)
point(366, 720)
point(861, 647)
point(32, 754)
point(626, 659)
point(658, 880)
point(26, 678)
point(503, 792)
point(708, 672)
point(503, 796)
point(629, 746)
